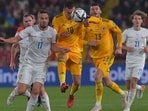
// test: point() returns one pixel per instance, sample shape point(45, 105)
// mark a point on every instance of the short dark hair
point(96, 4)
point(69, 4)
point(43, 11)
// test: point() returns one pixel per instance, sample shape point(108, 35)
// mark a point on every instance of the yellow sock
point(62, 71)
point(74, 88)
point(116, 88)
point(99, 91)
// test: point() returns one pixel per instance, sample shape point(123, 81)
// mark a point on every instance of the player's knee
point(21, 91)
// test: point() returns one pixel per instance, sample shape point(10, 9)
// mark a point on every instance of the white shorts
point(18, 75)
point(133, 71)
point(32, 72)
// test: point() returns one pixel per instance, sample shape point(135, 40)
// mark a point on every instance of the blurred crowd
point(11, 12)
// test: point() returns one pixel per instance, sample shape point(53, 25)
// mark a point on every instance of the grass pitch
point(84, 100)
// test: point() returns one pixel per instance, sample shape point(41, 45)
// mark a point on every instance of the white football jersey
point(137, 40)
point(39, 42)
point(23, 44)
point(23, 48)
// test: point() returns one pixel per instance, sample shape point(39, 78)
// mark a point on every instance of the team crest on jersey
point(103, 28)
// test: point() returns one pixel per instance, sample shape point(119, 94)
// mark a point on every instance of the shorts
point(32, 72)
point(73, 62)
point(104, 64)
point(132, 70)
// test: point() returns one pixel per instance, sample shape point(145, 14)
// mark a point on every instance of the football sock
point(131, 96)
point(45, 102)
point(14, 92)
point(74, 88)
point(116, 88)
point(62, 71)
point(138, 87)
point(99, 92)
point(27, 93)
point(32, 102)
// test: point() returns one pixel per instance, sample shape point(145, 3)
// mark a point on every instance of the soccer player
point(28, 20)
point(134, 41)
point(69, 34)
point(21, 48)
point(42, 39)
point(99, 34)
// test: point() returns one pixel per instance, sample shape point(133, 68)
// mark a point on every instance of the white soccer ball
point(79, 15)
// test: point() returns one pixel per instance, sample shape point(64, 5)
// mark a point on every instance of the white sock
point(31, 103)
point(27, 93)
point(45, 102)
point(138, 87)
point(14, 92)
point(131, 96)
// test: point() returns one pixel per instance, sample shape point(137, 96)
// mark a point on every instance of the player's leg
point(34, 96)
point(140, 91)
point(135, 74)
point(21, 88)
point(45, 99)
point(98, 90)
point(99, 64)
point(115, 87)
point(75, 69)
point(39, 103)
point(38, 72)
point(62, 72)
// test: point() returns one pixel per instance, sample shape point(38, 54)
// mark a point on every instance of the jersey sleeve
point(124, 36)
point(26, 32)
point(114, 28)
point(54, 34)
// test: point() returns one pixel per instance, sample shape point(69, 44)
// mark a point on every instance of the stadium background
point(11, 12)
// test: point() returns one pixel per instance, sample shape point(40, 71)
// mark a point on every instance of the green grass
point(84, 100)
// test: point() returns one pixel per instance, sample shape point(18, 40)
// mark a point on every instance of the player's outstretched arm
point(14, 51)
point(10, 40)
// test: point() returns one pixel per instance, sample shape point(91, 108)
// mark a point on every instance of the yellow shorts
point(73, 62)
point(104, 64)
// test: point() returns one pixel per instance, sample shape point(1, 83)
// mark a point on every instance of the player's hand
point(118, 50)
point(93, 43)
point(65, 34)
point(86, 23)
point(12, 66)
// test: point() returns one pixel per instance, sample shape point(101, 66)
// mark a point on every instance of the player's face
point(137, 21)
point(69, 11)
point(43, 20)
point(28, 21)
point(95, 11)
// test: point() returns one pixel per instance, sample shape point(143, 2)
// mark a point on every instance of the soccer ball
point(79, 15)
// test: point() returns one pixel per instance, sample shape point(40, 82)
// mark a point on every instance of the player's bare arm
point(128, 48)
point(14, 51)
point(11, 40)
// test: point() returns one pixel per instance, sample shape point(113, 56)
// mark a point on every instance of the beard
point(43, 26)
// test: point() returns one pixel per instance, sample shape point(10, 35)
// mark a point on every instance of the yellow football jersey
point(101, 30)
point(74, 41)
